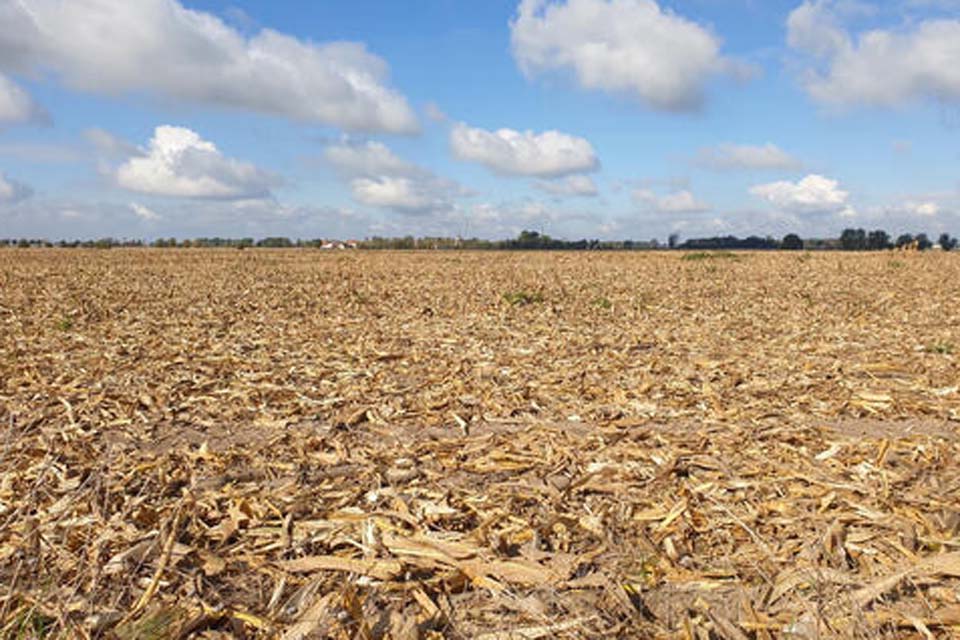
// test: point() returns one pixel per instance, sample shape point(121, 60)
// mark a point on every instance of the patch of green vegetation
point(65, 323)
point(522, 298)
point(603, 303)
point(895, 264)
point(710, 255)
point(31, 624)
point(943, 348)
point(158, 623)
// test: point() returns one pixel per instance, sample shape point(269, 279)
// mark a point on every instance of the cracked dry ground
point(296, 444)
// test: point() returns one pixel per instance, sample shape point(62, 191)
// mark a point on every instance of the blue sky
point(581, 118)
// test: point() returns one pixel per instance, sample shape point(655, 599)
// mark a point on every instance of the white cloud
point(55, 218)
point(576, 185)
point(727, 157)
point(378, 177)
point(401, 194)
point(12, 191)
point(932, 213)
point(506, 151)
point(508, 218)
point(158, 46)
point(814, 28)
point(370, 158)
point(16, 106)
point(177, 162)
point(880, 67)
point(630, 47)
point(848, 212)
point(144, 213)
point(923, 209)
point(682, 201)
point(812, 194)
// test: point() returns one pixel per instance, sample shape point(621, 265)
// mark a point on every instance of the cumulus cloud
point(931, 213)
point(178, 162)
point(69, 218)
point(631, 47)
point(370, 158)
point(730, 157)
point(489, 219)
point(577, 185)
point(813, 27)
point(923, 209)
point(508, 218)
point(257, 217)
point(401, 194)
point(16, 105)
point(12, 191)
point(159, 46)
point(812, 194)
point(879, 67)
point(144, 213)
point(378, 177)
point(549, 154)
point(682, 201)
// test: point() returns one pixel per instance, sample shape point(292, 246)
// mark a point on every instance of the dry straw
point(292, 445)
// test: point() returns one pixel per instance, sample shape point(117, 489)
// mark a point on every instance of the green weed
point(30, 624)
point(711, 255)
point(943, 348)
point(522, 298)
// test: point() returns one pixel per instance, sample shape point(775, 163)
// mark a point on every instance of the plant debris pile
point(221, 444)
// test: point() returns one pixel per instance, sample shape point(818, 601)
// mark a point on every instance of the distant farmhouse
point(340, 245)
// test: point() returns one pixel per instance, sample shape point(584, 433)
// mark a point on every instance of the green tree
point(878, 240)
point(275, 243)
point(792, 242)
point(904, 240)
point(853, 240)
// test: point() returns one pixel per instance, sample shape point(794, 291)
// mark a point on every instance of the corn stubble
point(288, 444)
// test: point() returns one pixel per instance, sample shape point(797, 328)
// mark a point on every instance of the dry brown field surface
point(298, 444)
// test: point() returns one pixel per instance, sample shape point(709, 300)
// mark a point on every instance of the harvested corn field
point(295, 444)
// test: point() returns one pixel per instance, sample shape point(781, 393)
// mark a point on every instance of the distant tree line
point(163, 243)
point(100, 243)
point(849, 240)
point(860, 240)
point(526, 241)
point(730, 242)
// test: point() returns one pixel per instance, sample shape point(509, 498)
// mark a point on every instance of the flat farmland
point(298, 444)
